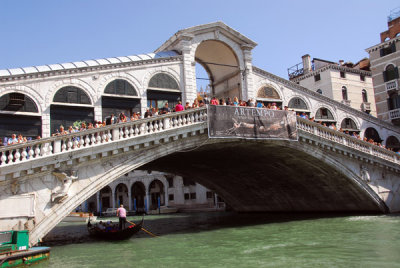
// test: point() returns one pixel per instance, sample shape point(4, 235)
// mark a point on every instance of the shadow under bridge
point(272, 176)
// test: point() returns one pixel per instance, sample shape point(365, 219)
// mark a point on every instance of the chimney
point(306, 63)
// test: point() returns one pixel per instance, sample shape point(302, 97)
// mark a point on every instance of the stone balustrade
point(346, 140)
point(14, 154)
point(17, 153)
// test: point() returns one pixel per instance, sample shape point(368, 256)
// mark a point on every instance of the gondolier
point(121, 214)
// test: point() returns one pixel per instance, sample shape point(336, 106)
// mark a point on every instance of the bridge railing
point(347, 140)
point(17, 153)
point(13, 154)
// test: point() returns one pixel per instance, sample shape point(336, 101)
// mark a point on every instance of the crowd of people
point(153, 111)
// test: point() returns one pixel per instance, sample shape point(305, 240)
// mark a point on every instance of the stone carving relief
point(61, 192)
point(365, 174)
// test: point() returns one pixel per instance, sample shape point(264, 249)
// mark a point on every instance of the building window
point(362, 77)
point(187, 196)
point(209, 195)
point(319, 91)
point(390, 73)
point(388, 50)
point(17, 102)
point(393, 101)
point(170, 197)
point(364, 95)
point(344, 93)
point(342, 74)
point(297, 103)
point(268, 92)
point(317, 77)
point(120, 87)
point(192, 195)
point(71, 94)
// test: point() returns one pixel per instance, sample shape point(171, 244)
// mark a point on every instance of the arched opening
point(372, 134)
point(157, 194)
point(121, 195)
point(349, 126)
point(138, 197)
point(120, 97)
point(222, 66)
point(70, 104)
point(105, 199)
point(163, 88)
point(299, 106)
point(268, 95)
point(393, 143)
point(364, 95)
point(344, 93)
point(19, 115)
point(391, 72)
point(319, 91)
point(325, 116)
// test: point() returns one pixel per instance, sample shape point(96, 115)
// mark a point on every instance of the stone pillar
point(98, 201)
point(216, 200)
point(130, 198)
point(146, 202)
point(46, 123)
point(189, 74)
point(248, 90)
point(113, 198)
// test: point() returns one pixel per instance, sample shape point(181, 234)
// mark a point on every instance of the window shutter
point(389, 104)
point(396, 72)
point(381, 51)
point(384, 76)
point(393, 47)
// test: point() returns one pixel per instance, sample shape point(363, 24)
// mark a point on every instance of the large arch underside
point(269, 177)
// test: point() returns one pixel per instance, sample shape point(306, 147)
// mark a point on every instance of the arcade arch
point(120, 96)
point(156, 194)
point(138, 191)
point(105, 198)
point(222, 66)
point(325, 116)
point(121, 195)
point(19, 114)
point(268, 95)
point(393, 143)
point(163, 88)
point(372, 133)
point(70, 104)
point(349, 125)
point(299, 106)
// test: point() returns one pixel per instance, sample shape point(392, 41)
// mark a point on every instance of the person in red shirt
point(179, 107)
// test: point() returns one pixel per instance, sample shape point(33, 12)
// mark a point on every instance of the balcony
point(366, 106)
point(394, 114)
point(392, 85)
point(346, 102)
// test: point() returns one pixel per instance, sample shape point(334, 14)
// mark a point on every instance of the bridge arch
point(330, 184)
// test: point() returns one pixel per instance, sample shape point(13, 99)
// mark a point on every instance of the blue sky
point(47, 31)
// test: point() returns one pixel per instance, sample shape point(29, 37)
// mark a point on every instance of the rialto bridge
point(42, 180)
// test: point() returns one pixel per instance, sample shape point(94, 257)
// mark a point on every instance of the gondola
point(112, 232)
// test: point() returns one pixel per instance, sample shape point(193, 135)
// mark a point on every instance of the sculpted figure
point(61, 192)
point(365, 174)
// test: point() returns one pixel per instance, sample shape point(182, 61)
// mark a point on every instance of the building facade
point(348, 83)
point(385, 61)
point(146, 191)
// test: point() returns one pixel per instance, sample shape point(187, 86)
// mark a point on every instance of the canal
point(241, 240)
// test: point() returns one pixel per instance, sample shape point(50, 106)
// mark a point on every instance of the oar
point(150, 233)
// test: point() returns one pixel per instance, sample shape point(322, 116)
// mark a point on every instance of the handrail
point(17, 153)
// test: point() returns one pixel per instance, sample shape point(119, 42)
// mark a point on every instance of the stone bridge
point(325, 170)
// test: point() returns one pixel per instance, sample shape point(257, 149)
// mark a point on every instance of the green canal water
point(245, 240)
